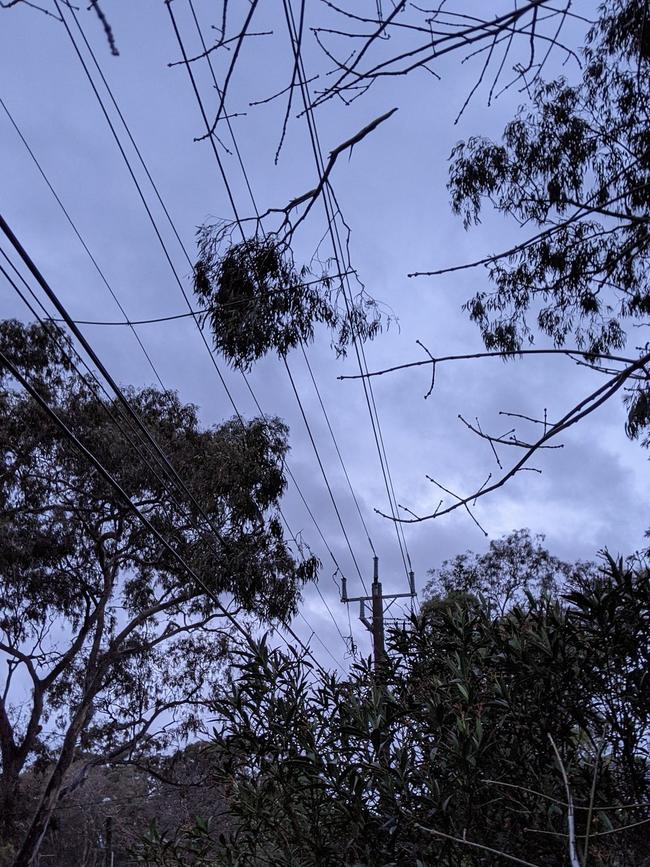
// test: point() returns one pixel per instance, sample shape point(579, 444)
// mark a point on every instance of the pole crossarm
point(376, 603)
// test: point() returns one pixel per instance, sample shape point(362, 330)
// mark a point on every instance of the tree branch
point(569, 353)
point(577, 413)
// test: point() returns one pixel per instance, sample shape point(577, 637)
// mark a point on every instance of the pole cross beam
point(375, 625)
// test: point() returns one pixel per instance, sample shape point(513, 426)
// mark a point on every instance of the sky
point(391, 189)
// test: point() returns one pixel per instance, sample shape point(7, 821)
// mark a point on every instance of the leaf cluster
point(574, 165)
point(257, 302)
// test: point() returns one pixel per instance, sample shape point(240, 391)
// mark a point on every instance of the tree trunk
point(9, 791)
point(28, 853)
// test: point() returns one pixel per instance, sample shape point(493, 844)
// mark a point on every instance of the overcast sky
point(591, 494)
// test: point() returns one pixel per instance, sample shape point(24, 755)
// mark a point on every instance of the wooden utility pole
point(378, 642)
point(377, 600)
point(375, 626)
point(108, 842)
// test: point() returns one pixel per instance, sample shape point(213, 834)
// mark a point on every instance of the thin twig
point(573, 854)
point(464, 842)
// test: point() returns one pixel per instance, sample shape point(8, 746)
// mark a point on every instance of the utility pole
point(377, 599)
point(108, 842)
point(378, 643)
point(375, 626)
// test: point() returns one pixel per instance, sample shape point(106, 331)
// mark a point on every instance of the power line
point(320, 640)
point(200, 311)
point(329, 610)
point(338, 250)
point(165, 210)
point(67, 319)
point(141, 194)
point(338, 451)
point(313, 518)
point(82, 241)
point(254, 203)
point(324, 474)
point(223, 173)
point(257, 213)
point(77, 233)
point(157, 192)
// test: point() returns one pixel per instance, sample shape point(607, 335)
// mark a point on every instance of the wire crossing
point(159, 197)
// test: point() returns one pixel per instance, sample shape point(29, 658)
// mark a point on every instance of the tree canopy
point(513, 566)
point(456, 752)
point(574, 164)
point(118, 644)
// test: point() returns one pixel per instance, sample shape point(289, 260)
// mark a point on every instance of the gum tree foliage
point(171, 788)
point(107, 643)
point(450, 746)
point(258, 302)
point(512, 566)
point(574, 164)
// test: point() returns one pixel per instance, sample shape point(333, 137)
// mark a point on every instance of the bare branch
point(501, 440)
point(312, 195)
point(470, 356)
point(461, 502)
point(588, 405)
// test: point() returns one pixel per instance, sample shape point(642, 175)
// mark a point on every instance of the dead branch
point(312, 195)
point(581, 410)
point(492, 354)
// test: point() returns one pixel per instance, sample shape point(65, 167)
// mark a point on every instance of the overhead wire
point(300, 404)
point(165, 463)
point(338, 451)
point(315, 635)
point(200, 311)
point(142, 197)
point(303, 348)
point(337, 246)
point(137, 184)
point(220, 165)
point(81, 240)
point(322, 469)
point(240, 225)
point(172, 224)
point(93, 260)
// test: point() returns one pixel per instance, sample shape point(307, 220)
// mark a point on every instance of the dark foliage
point(452, 746)
point(172, 789)
point(120, 646)
point(576, 165)
point(257, 301)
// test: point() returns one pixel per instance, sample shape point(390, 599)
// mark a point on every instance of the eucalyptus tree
point(573, 164)
point(112, 646)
